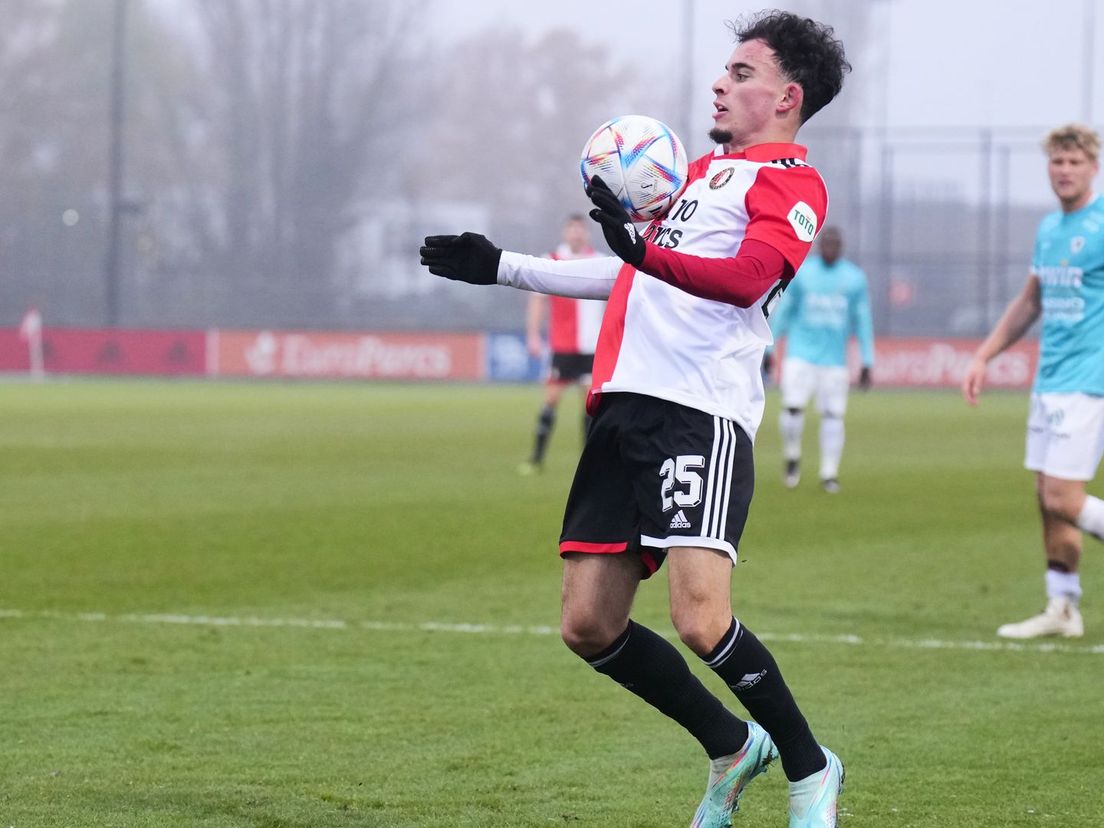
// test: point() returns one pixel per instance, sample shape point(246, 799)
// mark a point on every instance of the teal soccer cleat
point(727, 782)
point(813, 799)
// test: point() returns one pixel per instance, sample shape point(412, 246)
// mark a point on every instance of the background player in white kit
point(1065, 427)
point(827, 303)
point(677, 395)
point(572, 326)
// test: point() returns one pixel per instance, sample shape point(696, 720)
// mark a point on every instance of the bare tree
point(297, 108)
point(511, 116)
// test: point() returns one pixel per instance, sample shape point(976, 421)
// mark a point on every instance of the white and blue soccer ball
point(642, 161)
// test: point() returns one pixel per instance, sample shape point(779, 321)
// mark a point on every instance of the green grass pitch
point(281, 605)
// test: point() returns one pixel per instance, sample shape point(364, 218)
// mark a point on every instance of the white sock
point(1063, 585)
point(831, 446)
point(1091, 519)
point(791, 426)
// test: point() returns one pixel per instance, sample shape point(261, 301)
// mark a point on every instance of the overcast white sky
point(951, 62)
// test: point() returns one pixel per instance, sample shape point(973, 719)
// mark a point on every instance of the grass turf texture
point(366, 504)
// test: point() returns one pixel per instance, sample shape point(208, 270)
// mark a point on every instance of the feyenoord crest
point(721, 178)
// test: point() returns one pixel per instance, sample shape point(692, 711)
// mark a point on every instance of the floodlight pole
point(687, 73)
point(116, 138)
point(1089, 57)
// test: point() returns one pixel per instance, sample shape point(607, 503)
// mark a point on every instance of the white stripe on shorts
point(711, 474)
point(727, 495)
point(717, 483)
point(715, 516)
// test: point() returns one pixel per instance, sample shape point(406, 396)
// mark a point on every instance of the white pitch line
point(535, 630)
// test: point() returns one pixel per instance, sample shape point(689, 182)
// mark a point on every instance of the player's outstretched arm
point(471, 258)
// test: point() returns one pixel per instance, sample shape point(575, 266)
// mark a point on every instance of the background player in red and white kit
point(573, 326)
point(666, 472)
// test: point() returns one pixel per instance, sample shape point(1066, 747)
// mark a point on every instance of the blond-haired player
point(1065, 426)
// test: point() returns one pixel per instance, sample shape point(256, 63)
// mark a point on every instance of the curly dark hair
point(808, 53)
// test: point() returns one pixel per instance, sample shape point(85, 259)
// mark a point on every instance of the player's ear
point(792, 98)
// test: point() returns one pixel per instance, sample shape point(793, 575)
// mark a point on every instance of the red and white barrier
point(371, 355)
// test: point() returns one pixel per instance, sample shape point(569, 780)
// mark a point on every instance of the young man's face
point(1071, 174)
point(576, 235)
point(747, 95)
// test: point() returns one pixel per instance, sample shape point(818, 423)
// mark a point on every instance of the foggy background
point(275, 163)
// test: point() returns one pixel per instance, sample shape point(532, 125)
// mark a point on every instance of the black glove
point(468, 257)
point(617, 225)
point(865, 380)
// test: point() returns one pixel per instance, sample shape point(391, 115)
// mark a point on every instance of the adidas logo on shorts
point(679, 521)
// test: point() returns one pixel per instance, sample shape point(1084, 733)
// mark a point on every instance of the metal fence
point(942, 221)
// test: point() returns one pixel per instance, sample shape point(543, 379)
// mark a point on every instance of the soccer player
point(573, 326)
point(1065, 426)
point(827, 303)
point(666, 472)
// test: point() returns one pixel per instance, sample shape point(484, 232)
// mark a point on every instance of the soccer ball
point(642, 161)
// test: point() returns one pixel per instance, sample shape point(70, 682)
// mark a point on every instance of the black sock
point(750, 671)
point(649, 666)
point(546, 421)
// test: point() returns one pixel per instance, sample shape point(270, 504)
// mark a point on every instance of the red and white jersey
point(573, 324)
point(661, 341)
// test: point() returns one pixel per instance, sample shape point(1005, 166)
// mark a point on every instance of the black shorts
point(570, 367)
point(655, 474)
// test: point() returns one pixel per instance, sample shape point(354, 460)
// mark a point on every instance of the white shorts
point(802, 380)
point(1065, 435)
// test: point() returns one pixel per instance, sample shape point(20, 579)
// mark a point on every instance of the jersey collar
point(1095, 198)
point(766, 152)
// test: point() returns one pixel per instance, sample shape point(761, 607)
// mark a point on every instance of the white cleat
point(813, 800)
point(728, 776)
point(1061, 617)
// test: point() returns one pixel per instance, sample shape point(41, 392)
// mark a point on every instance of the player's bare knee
point(575, 637)
point(698, 640)
point(697, 627)
point(1060, 499)
point(586, 636)
point(1060, 504)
